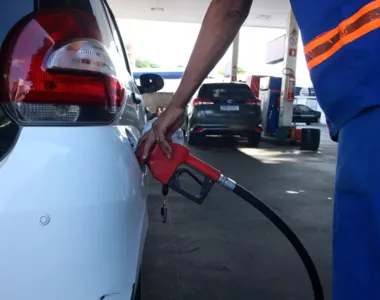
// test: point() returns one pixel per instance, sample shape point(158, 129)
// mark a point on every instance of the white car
point(73, 198)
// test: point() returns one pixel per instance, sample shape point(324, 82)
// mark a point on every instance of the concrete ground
point(224, 249)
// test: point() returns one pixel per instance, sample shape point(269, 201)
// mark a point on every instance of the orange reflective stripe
point(324, 46)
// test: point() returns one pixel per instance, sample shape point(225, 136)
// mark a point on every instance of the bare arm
point(221, 24)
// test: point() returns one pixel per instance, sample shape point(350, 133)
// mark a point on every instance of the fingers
point(150, 140)
point(161, 140)
point(161, 132)
point(152, 137)
point(143, 138)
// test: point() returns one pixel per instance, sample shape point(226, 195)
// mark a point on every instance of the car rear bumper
point(244, 125)
point(225, 130)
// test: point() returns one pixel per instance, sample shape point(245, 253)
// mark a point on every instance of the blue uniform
point(342, 40)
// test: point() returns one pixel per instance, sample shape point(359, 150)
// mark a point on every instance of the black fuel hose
point(290, 235)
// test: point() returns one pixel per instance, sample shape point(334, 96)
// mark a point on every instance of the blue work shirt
point(342, 42)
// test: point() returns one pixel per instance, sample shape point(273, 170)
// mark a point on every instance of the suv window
point(224, 91)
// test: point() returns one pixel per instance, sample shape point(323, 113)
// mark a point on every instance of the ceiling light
point(263, 17)
point(157, 9)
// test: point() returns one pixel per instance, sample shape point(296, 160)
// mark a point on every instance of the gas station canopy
point(264, 13)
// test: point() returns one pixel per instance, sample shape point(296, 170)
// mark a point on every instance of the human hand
point(162, 130)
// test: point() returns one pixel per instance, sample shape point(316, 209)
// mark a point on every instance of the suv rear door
point(230, 100)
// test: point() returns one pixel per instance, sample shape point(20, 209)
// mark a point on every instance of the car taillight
point(59, 72)
point(200, 101)
point(253, 102)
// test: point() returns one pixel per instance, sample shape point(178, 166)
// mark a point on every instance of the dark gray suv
point(223, 109)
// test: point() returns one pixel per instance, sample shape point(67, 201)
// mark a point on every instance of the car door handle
point(135, 99)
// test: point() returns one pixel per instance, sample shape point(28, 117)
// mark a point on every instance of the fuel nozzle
point(169, 171)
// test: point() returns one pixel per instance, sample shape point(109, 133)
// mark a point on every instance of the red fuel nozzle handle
point(167, 171)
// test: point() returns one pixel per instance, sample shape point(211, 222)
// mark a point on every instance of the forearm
point(219, 28)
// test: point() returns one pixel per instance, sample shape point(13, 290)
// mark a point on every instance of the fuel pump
point(270, 95)
point(274, 113)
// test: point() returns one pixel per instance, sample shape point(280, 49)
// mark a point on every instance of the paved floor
point(224, 249)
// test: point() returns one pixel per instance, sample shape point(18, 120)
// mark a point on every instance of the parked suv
point(73, 216)
point(226, 109)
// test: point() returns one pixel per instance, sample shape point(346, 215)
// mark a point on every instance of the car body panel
point(88, 184)
point(220, 126)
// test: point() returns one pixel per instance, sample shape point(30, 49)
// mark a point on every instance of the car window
point(220, 92)
point(305, 108)
point(295, 109)
point(241, 91)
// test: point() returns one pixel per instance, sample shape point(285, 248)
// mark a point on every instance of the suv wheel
point(192, 139)
point(254, 139)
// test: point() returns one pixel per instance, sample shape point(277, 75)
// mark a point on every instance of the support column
point(235, 58)
point(289, 72)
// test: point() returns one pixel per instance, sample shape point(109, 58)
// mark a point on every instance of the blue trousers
point(356, 230)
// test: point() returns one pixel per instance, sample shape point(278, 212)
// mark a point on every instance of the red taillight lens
point(58, 71)
point(200, 101)
point(253, 102)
